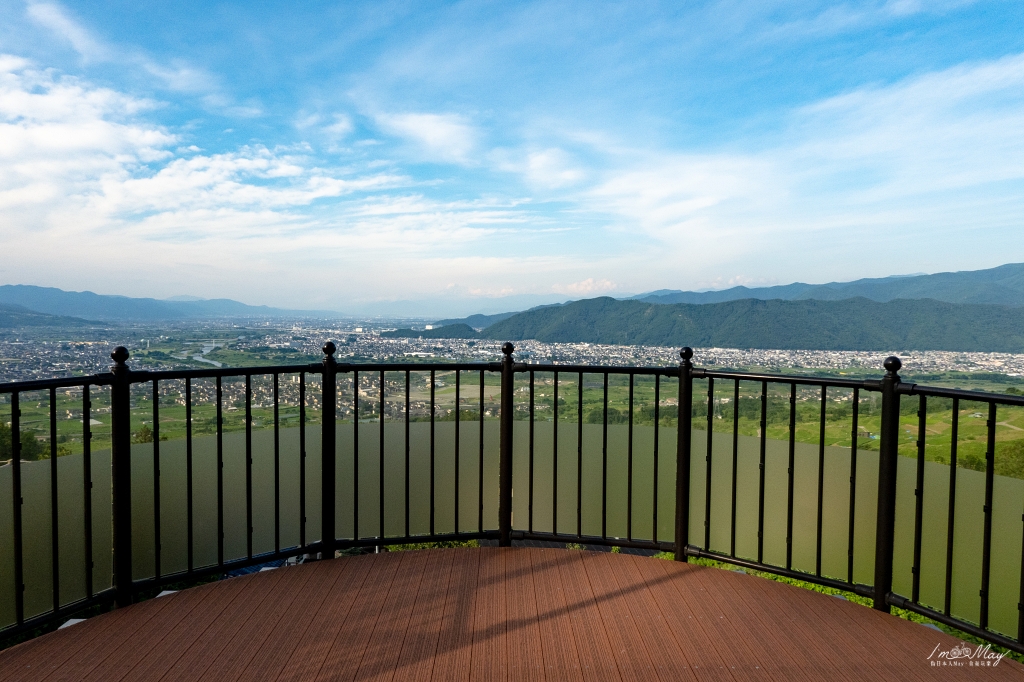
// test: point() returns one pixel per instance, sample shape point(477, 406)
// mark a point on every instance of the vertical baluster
point(684, 442)
point(707, 459)
point(380, 465)
point(789, 480)
point(951, 517)
point(554, 456)
point(458, 409)
point(480, 463)
point(54, 515)
point(530, 501)
point(821, 482)
point(121, 477)
point(888, 452)
point(156, 479)
point(853, 485)
point(986, 551)
point(190, 558)
point(922, 420)
point(763, 433)
point(87, 485)
point(407, 529)
point(248, 465)
point(604, 460)
point(735, 461)
point(302, 459)
point(629, 465)
point(277, 462)
point(579, 458)
point(220, 473)
point(17, 501)
point(355, 455)
point(329, 452)
point(657, 428)
point(506, 424)
point(432, 445)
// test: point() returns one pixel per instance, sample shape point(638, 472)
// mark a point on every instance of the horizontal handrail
point(63, 382)
point(963, 394)
point(868, 384)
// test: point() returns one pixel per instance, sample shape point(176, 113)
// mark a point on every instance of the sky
point(452, 158)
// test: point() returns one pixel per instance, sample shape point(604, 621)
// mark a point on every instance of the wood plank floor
point(492, 614)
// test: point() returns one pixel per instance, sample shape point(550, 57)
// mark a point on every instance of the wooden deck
point(491, 614)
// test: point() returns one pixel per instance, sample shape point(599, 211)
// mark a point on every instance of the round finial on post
point(329, 348)
point(508, 348)
point(120, 355)
point(892, 364)
point(686, 353)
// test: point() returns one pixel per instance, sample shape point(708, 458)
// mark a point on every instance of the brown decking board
point(416, 662)
point(526, 654)
point(269, 661)
point(491, 614)
point(596, 654)
point(489, 621)
point(455, 644)
point(558, 643)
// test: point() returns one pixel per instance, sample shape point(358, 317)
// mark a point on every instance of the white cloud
point(440, 137)
point(182, 77)
point(58, 136)
point(341, 126)
point(586, 287)
point(544, 169)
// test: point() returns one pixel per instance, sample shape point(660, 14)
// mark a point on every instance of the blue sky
point(467, 157)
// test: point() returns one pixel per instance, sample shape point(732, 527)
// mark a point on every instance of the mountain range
point(1003, 285)
point(980, 310)
point(18, 316)
point(849, 324)
point(86, 304)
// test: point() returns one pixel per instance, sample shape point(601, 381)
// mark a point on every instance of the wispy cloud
point(437, 137)
point(53, 17)
point(176, 76)
point(836, 18)
point(585, 288)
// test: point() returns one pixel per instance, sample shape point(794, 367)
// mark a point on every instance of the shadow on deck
point(502, 614)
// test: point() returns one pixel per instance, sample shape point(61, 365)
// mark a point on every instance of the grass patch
point(432, 545)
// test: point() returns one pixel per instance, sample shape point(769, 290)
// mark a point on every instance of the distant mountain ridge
point(1003, 285)
point(53, 301)
point(448, 331)
point(849, 324)
point(477, 321)
point(12, 316)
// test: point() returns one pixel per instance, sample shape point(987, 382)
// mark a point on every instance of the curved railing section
point(140, 480)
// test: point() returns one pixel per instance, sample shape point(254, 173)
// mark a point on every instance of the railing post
point(683, 454)
point(505, 452)
point(888, 451)
point(328, 430)
point(121, 476)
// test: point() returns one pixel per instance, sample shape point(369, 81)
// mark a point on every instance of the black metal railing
point(589, 454)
